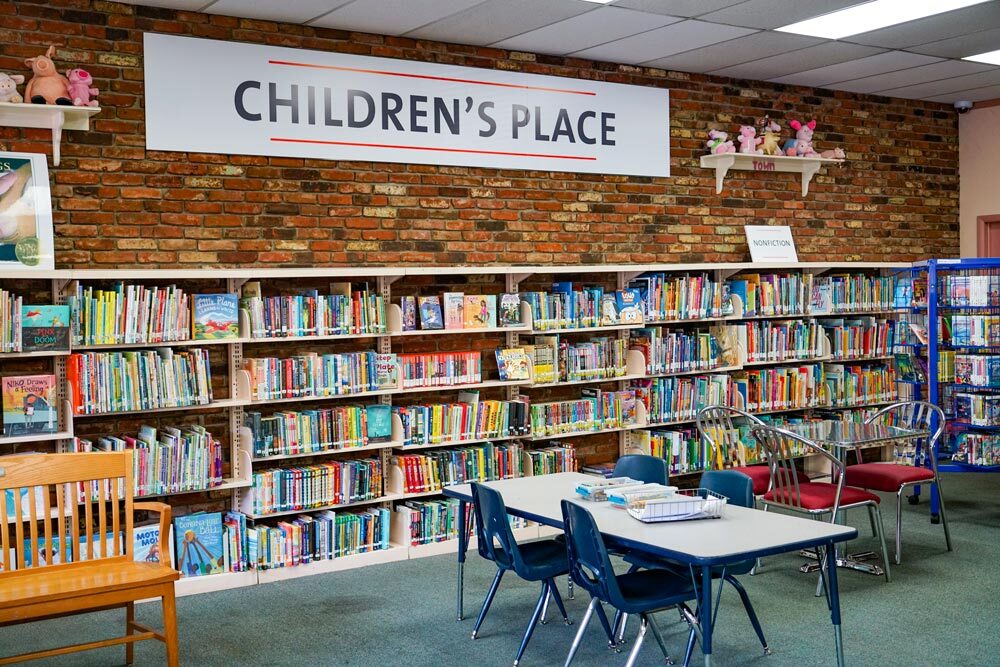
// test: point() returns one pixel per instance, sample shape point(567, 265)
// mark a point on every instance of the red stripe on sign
point(430, 148)
point(431, 78)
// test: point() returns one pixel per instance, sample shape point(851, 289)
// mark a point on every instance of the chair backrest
point(589, 563)
point(916, 415)
point(642, 467)
point(96, 487)
point(495, 538)
point(719, 428)
point(734, 485)
point(782, 449)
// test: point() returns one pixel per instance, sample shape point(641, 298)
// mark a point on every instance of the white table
point(742, 534)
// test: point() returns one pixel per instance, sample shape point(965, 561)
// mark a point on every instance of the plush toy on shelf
point(8, 88)
point(801, 145)
point(749, 141)
point(834, 154)
point(771, 140)
point(47, 86)
point(718, 142)
point(81, 88)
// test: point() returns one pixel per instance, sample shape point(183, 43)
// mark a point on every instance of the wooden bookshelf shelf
point(35, 437)
point(55, 117)
point(226, 484)
point(452, 443)
point(34, 355)
point(111, 347)
point(781, 362)
point(357, 503)
point(221, 404)
point(326, 452)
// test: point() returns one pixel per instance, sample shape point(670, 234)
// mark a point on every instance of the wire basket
point(684, 505)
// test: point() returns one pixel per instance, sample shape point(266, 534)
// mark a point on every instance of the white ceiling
point(919, 60)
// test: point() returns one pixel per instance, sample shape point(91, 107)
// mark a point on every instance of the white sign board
point(212, 96)
point(770, 243)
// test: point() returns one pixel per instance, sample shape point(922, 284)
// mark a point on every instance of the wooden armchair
point(77, 557)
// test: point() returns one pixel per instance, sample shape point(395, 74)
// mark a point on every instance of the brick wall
point(116, 204)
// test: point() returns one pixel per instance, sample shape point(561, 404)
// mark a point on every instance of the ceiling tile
point(965, 45)
point(854, 69)
point(183, 5)
point(775, 13)
point(665, 41)
point(497, 20)
point(391, 17)
point(299, 11)
point(934, 28)
point(602, 25)
point(821, 55)
point(906, 77)
point(685, 8)
point(974, 95)
point(954, 84)
point(735, 51)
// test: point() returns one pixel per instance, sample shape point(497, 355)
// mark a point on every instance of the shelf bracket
point(809, 170)
point(722, 168)
point(58, 119)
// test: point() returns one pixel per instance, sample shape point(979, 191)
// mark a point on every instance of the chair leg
point(488, 601)
point(579, 633)
point(570, 595)
point(554, 592)
point(760, 562)
point(545, 610)
point(692, 620)
point(751, 614)
point(881, 537)
point(944, 519)
point(621, 620)
point(531, 624)
point(659, 639)
point(634, 655)
point(899, 524)
point(603, 618)
point(129, 619)
point(170, 626)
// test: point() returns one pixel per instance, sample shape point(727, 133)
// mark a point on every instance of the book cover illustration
point(510, 310)
point(478, 313)
point(199, 544)
point(629, 306)
point(25, 212)
point(28, 405)
point(430, 312)
point(215, 316)
point(379, 418)
point(513, 364)
point(44, 328)
point(146, 543)
point(454, 310)
point(609, 310)
point(408, 305)
point(386, 371)
point(491, 310)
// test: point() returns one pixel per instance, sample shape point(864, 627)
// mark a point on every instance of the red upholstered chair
point(718, 426)
point(815, 499)
point(919, 468)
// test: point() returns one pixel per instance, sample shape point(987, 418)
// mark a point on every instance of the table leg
point(463, 545)
point(831, 572)
point(706, 614)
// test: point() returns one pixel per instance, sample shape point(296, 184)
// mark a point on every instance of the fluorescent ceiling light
point(872, 16)
point(991, 57)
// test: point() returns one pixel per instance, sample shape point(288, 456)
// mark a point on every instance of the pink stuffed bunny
point(801, 146)
point(718, 142)
point(749, 141)
point(8, 88)
point(47, 86)
point(81, 88)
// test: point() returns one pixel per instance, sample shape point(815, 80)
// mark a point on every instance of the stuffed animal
point(749, 141)
point(8, 88)
point(835, 154)
point(772, 137)
point(801, 145)
point(718, 142)
point(81, 88)
point(47, 86)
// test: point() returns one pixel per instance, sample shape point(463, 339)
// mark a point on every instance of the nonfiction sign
point(211, 96)
point(771, 243)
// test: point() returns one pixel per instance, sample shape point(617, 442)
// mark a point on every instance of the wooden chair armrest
point(164, 511)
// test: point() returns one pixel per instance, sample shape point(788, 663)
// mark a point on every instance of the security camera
point(963, 106)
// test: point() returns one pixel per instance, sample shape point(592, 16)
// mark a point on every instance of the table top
point(832, 433)
point(739, 535)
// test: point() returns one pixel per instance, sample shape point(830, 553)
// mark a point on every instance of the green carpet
point(940, 609)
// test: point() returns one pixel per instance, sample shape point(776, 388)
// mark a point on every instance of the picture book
point(44, 328)
point(28, 405)
point(510, 310)
point(513, 364)
point(251, 290)
point(198, 544)
point(609, 310)
point(454, 310)
point(379, 419)
point(63, 553)
point(919, 331)
point(474, 312)
point(629, 306)
point(215, 316)
point(491, 310)
point(430, 312)
point(386, 371)
point(408, 305)
point(146, 543)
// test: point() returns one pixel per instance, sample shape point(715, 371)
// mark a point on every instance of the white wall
point(979, 171)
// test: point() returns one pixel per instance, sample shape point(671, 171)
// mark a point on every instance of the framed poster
point(25, 212)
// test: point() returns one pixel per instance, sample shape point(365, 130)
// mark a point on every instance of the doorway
point(988, 239)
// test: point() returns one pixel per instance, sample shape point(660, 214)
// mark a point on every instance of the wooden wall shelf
point(47, 116)
point(723, 162)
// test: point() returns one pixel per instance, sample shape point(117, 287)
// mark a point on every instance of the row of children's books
point(344, 311)
point(860, 337)
point(779, 388)
point(312, 375)
point(553, 459)
point(849, 385)
point(780, 340)
point(671, 297)
point(315, 486)
point(440, 369)
point(168, 460)
point(432, 521)
point(971, 330)
point(590, 360)
point(292, 433)
point(979, 370)
point(103, 382)
point(468, 419)
point(977, 409)
point(27, 328)
point(310, 538)
point(959, 289)
point(128, 314)
point(845, 293)
point(457, 310)
point(978, 449)
point(573, 306)
point(434, 470)
point(668, 351)
point(679, 398)
point(594, 411)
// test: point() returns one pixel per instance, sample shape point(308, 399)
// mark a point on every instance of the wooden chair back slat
point(128, 485)
point(47, 522)
point(61, 491)
point(73, 497)
point(33, 524)
point(102, 510)
point(88, 524)
point(4, 533)
point(115, 521)
point(19, 529)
